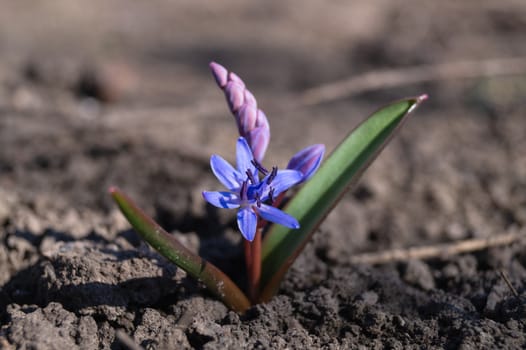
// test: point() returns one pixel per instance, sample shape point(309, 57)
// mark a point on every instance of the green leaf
point(213, 278)
point(321, 193)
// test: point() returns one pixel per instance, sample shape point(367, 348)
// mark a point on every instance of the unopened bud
point(246, 118)
point(258, 140)
point(235, 78)
point(234, 93)
point(262, 121)
point(220, 74)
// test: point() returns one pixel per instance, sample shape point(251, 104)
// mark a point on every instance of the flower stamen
point(272, 175)
point(271, 195)
point(259, 167)
point(251, 177)
point(243, 191)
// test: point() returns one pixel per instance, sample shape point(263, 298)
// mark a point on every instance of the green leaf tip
point(337, 174)
point(167, 245)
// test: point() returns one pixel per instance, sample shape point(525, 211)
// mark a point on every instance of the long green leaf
point(213, 278)
point(319, 195)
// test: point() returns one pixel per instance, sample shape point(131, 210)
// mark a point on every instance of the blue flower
point(248, 193)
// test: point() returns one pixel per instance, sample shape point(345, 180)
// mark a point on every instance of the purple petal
point(307, 160)
point(220, 74)
point(234, 93)
point(284, 180)
point(247, 222)
point(272, 214)
point(225, 200)
point(225, 173)
point(259, 139)
point(244, 157)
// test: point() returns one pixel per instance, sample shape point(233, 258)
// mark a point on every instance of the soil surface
point(119, 93)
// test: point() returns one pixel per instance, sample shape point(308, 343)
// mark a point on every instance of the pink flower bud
point(249, 97)
point(220, 74)
point(234, 93)
point(246, 117)
point(235, 78)
point(251, 121)
point(261, 120)
point(258, 140)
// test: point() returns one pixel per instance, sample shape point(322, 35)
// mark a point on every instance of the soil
point(119, 93)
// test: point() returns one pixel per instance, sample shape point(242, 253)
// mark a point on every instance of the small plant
point(273, 235)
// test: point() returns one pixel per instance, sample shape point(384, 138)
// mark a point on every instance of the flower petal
point(272, 214)
point(225, 173)
point(225, 200)
point(244, 157)
point(307, 160)
point(247, 222)
point(284, 180)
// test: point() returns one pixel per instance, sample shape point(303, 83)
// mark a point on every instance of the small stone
point(418, 273)
point(369, 297)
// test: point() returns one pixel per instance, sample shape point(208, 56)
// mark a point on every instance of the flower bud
point(251, 121)
point(262, 121)
point(246, 117)
point(234, 93)
point(220, 74)
point(249, 97)
point(258, 140)
point(236, 79)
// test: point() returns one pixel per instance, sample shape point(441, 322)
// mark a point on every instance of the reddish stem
point(253, 256)
point(277, 201)
point(256, 266)
point(248, 257)
point(253, 264)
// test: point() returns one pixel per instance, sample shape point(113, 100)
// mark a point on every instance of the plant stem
point(253, 264)
point(256, 265)
point(248, 258)
point(253, 256)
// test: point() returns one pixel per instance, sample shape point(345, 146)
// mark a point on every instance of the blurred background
point(83, 85)
point(154, 55)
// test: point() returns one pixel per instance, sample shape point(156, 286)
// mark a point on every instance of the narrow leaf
point(213, 278)
point(318, 196)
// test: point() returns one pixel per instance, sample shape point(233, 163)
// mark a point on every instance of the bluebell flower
point(248, 193)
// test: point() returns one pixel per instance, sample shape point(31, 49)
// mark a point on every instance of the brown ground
point(120, 94)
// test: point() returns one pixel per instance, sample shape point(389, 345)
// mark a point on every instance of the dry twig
point(404, 76)
point(508, 282)
point(438, 250)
